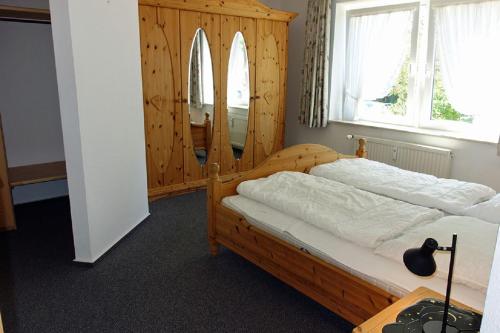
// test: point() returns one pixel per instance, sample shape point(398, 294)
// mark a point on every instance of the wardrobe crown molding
point(245, 8)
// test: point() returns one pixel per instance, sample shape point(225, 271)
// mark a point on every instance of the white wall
point(491, 320)
point(29, 100)
point(477, 162)
point(100, 90)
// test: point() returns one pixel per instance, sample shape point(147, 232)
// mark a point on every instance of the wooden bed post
point(213, 196)
point(361, 152)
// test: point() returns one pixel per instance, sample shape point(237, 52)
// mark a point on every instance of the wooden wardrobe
point(168, 29)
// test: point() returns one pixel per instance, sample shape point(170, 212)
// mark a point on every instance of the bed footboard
point(341, 292)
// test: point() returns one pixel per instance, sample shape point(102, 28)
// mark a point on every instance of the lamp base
point(427, 316)
point(436, 326)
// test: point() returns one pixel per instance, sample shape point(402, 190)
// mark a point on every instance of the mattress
point(359, 261)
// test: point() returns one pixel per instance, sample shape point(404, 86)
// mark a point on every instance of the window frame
point(421, 72)
point(408, 119)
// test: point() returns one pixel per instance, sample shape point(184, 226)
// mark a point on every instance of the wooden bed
point(343, 293)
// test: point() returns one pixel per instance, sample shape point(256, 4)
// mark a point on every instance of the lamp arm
point(450, 278)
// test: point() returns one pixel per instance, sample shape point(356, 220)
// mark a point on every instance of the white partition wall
point(97, 54)
point(491, 320)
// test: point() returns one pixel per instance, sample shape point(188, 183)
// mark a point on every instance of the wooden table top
point(389, 314)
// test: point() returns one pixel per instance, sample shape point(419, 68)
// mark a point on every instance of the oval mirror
point(201, 96)
point(238, 94)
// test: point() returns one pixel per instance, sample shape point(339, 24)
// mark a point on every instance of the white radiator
point(409, 156)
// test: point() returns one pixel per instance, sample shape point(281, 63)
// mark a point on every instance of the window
point(379, 54)
point(428, 64)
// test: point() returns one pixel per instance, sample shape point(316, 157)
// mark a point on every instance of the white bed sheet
point(359, 261)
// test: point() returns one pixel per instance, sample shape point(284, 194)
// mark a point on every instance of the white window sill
point(423, 131)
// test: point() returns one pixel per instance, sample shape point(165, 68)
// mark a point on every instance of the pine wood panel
point(7, 218)
point(341, 292)
point(211, 24)
point(268, 91)
point(281, 35)
point(172, 163)
point(161, 88)
point(248, 27)
point(190, 22)
point(244, 8)
point(231, 26)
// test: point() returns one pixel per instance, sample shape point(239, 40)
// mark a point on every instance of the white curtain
point(377, 46)
point(468, 48)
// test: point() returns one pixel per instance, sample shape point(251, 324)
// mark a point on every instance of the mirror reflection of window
point(238, 95)
point(201, 96)
point(238, 78)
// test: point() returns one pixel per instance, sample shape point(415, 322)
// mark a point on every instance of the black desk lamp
point(425, 315)
point(421, 262)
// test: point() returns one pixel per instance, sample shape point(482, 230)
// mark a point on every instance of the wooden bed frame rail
point(343, 293)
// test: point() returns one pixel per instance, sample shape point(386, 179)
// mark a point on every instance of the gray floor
point(158, 279)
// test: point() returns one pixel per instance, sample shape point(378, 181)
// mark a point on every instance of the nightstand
point(389, 314)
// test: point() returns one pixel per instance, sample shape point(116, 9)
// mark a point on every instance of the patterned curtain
point(196, 78)
point(315, 82)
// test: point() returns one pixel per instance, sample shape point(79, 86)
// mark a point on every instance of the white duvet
point(358, 216)
point(475, 248)
point(449, 195)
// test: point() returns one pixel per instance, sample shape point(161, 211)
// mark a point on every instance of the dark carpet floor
point(160, 278)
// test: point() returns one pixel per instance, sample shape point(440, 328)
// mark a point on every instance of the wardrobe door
point(196, 166)
point(162, 90)
point(237, 116)
point(272, 43)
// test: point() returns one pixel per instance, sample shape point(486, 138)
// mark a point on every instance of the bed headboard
point(299, 158)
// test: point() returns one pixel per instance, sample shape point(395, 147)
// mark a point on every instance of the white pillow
point(487, 210)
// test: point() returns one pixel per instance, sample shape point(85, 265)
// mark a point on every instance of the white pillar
point(97, 52)
point(491, 319)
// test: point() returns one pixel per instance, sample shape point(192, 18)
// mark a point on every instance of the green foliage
point(400, 92)
point(441, 107)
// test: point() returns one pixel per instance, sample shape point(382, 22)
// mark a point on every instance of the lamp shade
point(420, 260)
